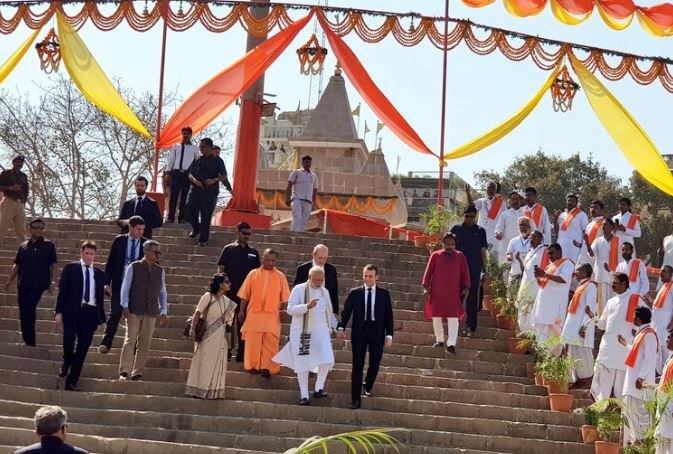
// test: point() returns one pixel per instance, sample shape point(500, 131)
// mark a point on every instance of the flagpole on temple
point(440, 188)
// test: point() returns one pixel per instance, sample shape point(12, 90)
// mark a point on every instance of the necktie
point(132, 257)
point(369, 305)
point(139, 205)
point(87, 284)
point(182, 154)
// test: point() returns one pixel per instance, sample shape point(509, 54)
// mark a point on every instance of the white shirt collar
point(81, 262)
point(373, 287)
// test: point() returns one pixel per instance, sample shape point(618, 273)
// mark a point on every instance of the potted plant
point(525, 343)
point(540, 354)
point(438, 220)
point(556, 372)
point(610, 415)
point(590, 427)
point(656, 406)
point(497, 288)
point(508, 313)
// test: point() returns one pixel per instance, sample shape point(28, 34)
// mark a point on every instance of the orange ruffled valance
point(330, 202)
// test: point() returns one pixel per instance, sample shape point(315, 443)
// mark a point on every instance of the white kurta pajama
point(668, 255)
point(573, 232)
point(528, 289)
point(581, 348)
point(665, 428)
point(643, 367)
point(631, 233)
point(593, 231)
point(641, 284)
point(602, 248)
point(517, 245)
point(539, 220)
point(320, 325)
point(609, 369)
point(488, 223)
point(551, 302)
point(508, 227)
point(662, 311)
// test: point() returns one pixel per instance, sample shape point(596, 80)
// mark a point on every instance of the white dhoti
point(585, 362)
point(606, 382)
point(638, 419)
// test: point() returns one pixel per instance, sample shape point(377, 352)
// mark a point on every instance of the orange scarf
point(633, 272)
point(534, 215)
point(544, 263)
point(667, 375)
point(569, 218)
point(632, 221)
point(577, 296)
point(592, 232)
point(633, 354)
point(633, 304)
point(495, 207)
point(542, 282)
point(613, 256)
point(663, 294)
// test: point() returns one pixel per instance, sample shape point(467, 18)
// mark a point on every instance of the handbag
point(200, 328)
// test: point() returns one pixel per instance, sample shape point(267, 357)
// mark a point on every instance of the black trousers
point(473, 305)
point(179, 189)
point(368, 340)
point(112, 323)
point(200, 206)
point(77, 336)
point(28, 296)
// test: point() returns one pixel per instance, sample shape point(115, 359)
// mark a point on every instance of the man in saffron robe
point(635, 269)
point(662, 313)
point(640, 369)
point(261, 294)
point(446, 282)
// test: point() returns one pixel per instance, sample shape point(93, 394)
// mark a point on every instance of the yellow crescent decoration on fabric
point(90, 78)
point(14, 59)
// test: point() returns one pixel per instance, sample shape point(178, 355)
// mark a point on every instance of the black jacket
point(331, 283)
point(114, 267)
point(51, 445)
point(149, 211)
point(70, 288)
point(355, 307)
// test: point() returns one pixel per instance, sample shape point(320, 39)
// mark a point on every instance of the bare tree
point(82, 162)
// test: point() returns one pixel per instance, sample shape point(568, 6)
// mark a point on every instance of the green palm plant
point(365, 440)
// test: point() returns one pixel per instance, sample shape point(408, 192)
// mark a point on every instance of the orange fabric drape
point(342, 223)
point(366, 87)
point(212, 98)
point(637, 342)
point(634, 300)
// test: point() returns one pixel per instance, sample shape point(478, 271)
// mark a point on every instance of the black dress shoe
point(254, 371)
point(123, 376)
point(265, 373)
point(69, 387)
point(304, 402)
point(365, 391)
point(192, 234)
point(137, 377)
point(64, 371)
point(355, 405)
point(438, 344)
point(319, 394)
point(451, 349)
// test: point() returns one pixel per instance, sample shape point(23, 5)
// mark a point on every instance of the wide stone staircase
point(477, 401)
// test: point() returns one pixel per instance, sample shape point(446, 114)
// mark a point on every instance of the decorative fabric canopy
point(14, 59)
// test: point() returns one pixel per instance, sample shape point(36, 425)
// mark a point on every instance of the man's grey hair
point(319, 247)
point(150, 243)
point(316, 270)
point(50, 419)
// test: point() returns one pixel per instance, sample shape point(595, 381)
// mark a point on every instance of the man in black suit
point(372, 327)
point(79, 309)
point(125, 249)
point(320, 254)
point(142, 206)
point(51, 425)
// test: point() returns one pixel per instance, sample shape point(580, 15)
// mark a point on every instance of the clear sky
point(482, 90)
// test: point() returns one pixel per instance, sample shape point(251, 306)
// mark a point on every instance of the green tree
point(654, 207)
point(554, 176)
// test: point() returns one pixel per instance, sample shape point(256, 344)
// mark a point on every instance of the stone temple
point(350, 177)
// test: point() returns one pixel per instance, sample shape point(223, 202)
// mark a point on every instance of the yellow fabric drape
point(90, 78)
point(8, 66)
point(638, 148)
point(504, 128)
point(565, 16)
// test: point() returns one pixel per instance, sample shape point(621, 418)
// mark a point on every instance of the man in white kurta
point(570, 226)
point(665, 429)
point(538, 214)
point(489, 209)
point(609, 369)
point(662, 313)
point(507, 226)
point(640, 369)
point(627, 223)
point(517, 249)
point(537, 256)
point(551, 302)
point(636, 271)
point(311, 311)
point(593, 231)
point(606, 253)
point(578, 331)
point(665, 253)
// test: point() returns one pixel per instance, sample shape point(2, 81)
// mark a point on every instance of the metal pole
point(440, 189)
point(155, 175)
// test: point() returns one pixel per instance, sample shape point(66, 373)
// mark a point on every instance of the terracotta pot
point(539, 380)
point(505, 322)
point(422, 241)
point(589, 434)
point(486, 302)
point(561, 402)
point(495, 311)
point(513, 347)
point(530, 370)
point(554, 387)
point(605, 447)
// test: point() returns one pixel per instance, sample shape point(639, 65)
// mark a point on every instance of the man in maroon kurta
point(446, 283)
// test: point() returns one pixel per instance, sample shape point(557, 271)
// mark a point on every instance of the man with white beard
point(310, 347)
point(537, 256)
point(517, 248)
point(507, 226)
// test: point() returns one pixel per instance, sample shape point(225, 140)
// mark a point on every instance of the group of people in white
point(589, 278)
